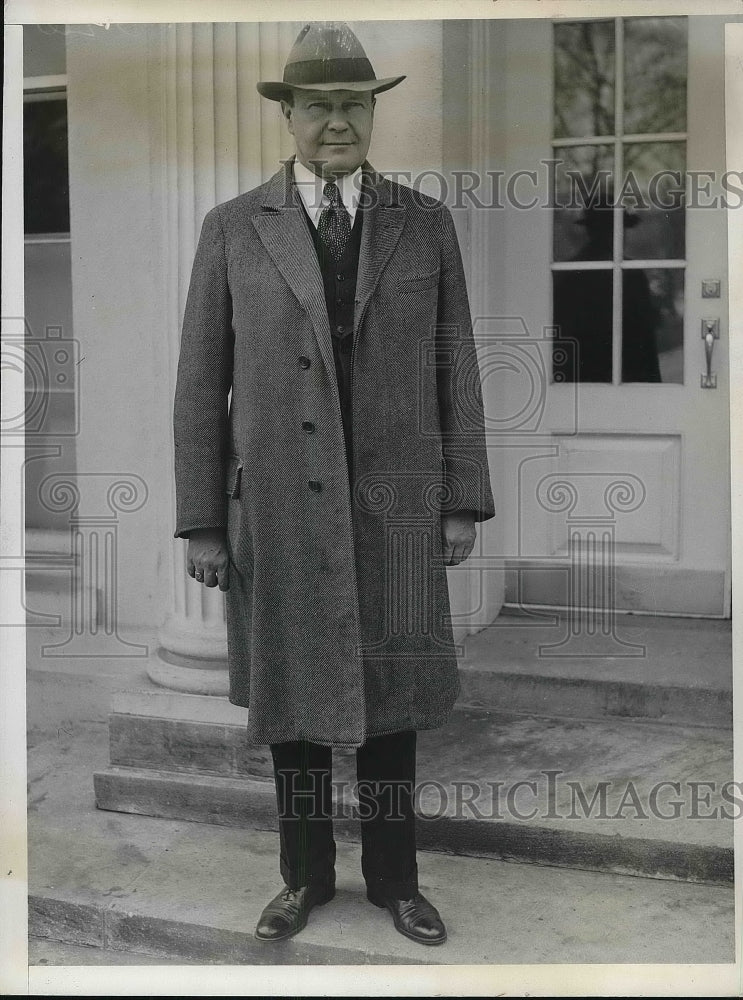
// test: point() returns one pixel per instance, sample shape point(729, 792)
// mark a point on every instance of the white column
point(219, 137)
point(477, 588)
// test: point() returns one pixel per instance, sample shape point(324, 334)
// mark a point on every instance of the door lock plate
point(711, 326)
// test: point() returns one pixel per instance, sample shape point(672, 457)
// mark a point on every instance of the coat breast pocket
point(418, 282)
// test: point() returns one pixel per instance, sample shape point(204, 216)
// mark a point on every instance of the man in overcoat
point(330, 463)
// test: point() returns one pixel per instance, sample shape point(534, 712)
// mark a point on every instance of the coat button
point(340, 277)
point(308, 426)
point(315, 485)
point(304, 362)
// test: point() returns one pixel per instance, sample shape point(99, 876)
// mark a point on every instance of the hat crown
point(327, 55)
point(324, 52)
point(326, 40)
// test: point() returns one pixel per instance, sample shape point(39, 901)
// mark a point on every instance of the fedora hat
point(326, 56)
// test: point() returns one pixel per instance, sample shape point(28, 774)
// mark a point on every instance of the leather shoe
point(287, 913)
point(416, 918)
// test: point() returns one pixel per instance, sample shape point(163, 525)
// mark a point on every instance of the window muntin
point(618, 247)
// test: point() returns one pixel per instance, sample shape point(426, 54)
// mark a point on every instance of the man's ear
point(286, 110)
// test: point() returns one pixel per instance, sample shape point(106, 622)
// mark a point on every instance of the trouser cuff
point(321, 870)
point(397, 888)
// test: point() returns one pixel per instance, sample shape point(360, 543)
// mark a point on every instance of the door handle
point(710, 333)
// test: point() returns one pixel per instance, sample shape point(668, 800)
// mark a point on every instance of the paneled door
point(614, 307)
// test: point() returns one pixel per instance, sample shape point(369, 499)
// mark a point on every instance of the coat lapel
point(383, 224)
point(283, 231)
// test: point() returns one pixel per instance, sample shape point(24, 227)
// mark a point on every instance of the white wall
point(117, 307)
point(408, 130)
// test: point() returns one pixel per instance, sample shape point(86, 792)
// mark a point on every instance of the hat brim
point(277, 90)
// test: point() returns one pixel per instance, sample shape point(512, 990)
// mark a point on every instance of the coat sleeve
point(200, 411)
point(466, 470)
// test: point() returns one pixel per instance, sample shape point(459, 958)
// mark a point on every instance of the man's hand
point(458, 536)
point(207, 559)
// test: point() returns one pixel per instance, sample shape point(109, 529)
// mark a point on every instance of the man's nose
point(337, 123)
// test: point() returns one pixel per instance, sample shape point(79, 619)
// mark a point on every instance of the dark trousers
point(385, 772)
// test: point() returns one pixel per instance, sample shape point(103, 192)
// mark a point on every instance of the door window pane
point(655, 229)
point(655, 60)
point(583, 177)
point(584, 79)
point(582, 310)
point(653, 325)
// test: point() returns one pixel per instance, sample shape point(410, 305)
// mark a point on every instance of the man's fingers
point(210, 567)
point(456, 554)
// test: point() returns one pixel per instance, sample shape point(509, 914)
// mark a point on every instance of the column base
point(189, 659)
point(197, 679)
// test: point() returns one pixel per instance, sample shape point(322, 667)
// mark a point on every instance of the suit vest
point(339, 282)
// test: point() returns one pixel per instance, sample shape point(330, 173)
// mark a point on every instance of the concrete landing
point(177, 890)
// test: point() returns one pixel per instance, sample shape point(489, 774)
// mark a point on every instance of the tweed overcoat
point(338, 608)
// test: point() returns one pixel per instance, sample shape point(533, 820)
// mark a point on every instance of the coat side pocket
point(234, 476)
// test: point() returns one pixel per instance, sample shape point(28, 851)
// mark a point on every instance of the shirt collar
point(310, 186)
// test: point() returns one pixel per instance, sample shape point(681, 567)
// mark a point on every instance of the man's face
point(332, 129)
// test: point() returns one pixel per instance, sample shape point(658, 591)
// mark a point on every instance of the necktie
point(334, 225)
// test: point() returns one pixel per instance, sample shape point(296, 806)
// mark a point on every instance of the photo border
point(534, 980)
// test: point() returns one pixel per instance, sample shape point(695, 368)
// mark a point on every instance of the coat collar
point(282, 228)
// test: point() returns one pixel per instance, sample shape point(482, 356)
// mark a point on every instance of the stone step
point(165, 888)
point(631, 666)
point(250, 803)
point(489, 784)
